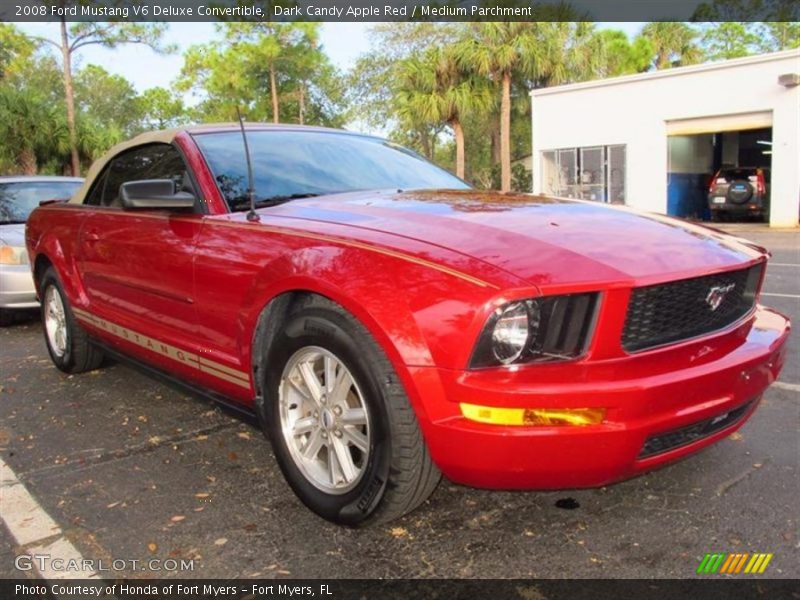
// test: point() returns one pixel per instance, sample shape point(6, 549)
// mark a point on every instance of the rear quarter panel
point(52, 235)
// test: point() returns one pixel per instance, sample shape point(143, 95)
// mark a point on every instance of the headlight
point(13, 255)
point(512, 330)
point(545, 329)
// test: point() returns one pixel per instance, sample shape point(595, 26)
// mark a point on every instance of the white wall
point(635, 111)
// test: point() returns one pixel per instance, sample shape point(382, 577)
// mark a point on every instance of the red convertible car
point(388, 324)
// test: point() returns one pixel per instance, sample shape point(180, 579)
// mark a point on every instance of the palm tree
point(31, 129)
point(499, 51)
point(674, 44)
point(437, 89)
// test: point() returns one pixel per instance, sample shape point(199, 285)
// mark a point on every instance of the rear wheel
point(343, 431)
point(67, 342)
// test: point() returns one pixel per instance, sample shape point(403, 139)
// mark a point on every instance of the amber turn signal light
point(533, 417)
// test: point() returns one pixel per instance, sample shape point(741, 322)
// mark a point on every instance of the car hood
point(13, 234)
point(543, 240)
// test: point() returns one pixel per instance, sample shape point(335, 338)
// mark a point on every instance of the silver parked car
point(18, 197)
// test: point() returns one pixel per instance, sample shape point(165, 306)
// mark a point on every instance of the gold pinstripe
point(332, 239)
point(202, 364)
point(355, 244)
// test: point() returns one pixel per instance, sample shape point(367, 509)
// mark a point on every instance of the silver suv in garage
point(738, 192)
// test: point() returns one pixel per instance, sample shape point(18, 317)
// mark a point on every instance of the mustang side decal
point(200, 363)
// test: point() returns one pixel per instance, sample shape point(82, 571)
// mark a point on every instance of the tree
point(15, 49)
point(109, 99)
point(109, 35)
point(373, 83)
point(29, 128)
point(727, 40)
point(779, 35)
point(674, 44)
point(624, 57)
point(265, 75)
point(734, 28)
point(498, 51)
point(161, 108)
point(435, 88)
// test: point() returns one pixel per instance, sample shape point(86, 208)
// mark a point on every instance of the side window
point(154, 161)
point(95, 195)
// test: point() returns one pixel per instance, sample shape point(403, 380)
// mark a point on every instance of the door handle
point(92, 237)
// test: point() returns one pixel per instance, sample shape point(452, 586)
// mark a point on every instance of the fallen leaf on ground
point(177, 518)
point(244, 435)
point(112, 505)
point(220, 541)
point(398, 532)
point(152, 546)
point(202, 495)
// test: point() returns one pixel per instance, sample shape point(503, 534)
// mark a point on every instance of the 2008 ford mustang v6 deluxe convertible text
point(388, 324)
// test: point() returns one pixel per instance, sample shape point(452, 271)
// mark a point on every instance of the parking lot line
point(774, 295)
point(792, 387)
point(772, 264)
point(35, 531)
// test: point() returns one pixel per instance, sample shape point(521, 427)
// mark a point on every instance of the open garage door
point(719, 166)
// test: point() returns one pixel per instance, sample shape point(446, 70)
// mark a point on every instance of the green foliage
point(673, 44)
point(779, 35)
point(520, 178)
point(624, 56)
point(161, 108)
point(112, 35)
point(108, 100)
point(15, 49)
point(726, 40)
point(32, 129)
point(261, 67)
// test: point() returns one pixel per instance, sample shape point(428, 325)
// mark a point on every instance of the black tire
point(398, 474)
point(80, 354)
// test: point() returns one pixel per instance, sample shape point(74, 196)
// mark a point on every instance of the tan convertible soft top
point(166, 136)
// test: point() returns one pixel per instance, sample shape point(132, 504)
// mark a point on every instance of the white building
point(654, 140)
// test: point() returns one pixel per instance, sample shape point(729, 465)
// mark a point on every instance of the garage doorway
point(725, 161)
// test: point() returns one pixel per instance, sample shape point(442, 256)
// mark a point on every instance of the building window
point(590, 173)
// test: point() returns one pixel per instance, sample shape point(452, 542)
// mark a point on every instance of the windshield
point(299, 164)
point(17, 200)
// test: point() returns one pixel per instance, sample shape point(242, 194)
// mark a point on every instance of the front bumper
point(699, 391)
point(16, 287)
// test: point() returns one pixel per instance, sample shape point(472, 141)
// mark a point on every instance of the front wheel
point(67, 342)
point(343, 431)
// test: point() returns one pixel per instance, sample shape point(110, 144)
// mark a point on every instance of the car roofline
point(167, 136)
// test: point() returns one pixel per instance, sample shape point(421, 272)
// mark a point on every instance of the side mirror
point(154, 193)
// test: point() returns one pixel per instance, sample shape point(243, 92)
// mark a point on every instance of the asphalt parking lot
point(131, 469)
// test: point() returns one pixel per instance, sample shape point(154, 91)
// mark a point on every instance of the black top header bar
point(398, 10)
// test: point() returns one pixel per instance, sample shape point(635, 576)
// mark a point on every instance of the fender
point(408, 327)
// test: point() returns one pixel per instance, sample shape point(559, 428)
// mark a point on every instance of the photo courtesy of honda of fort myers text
point(331, 300)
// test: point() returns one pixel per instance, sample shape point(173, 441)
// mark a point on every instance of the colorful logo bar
point(731, 564)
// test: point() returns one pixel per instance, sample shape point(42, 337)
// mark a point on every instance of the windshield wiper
point(242, 203)
point(275, 200)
